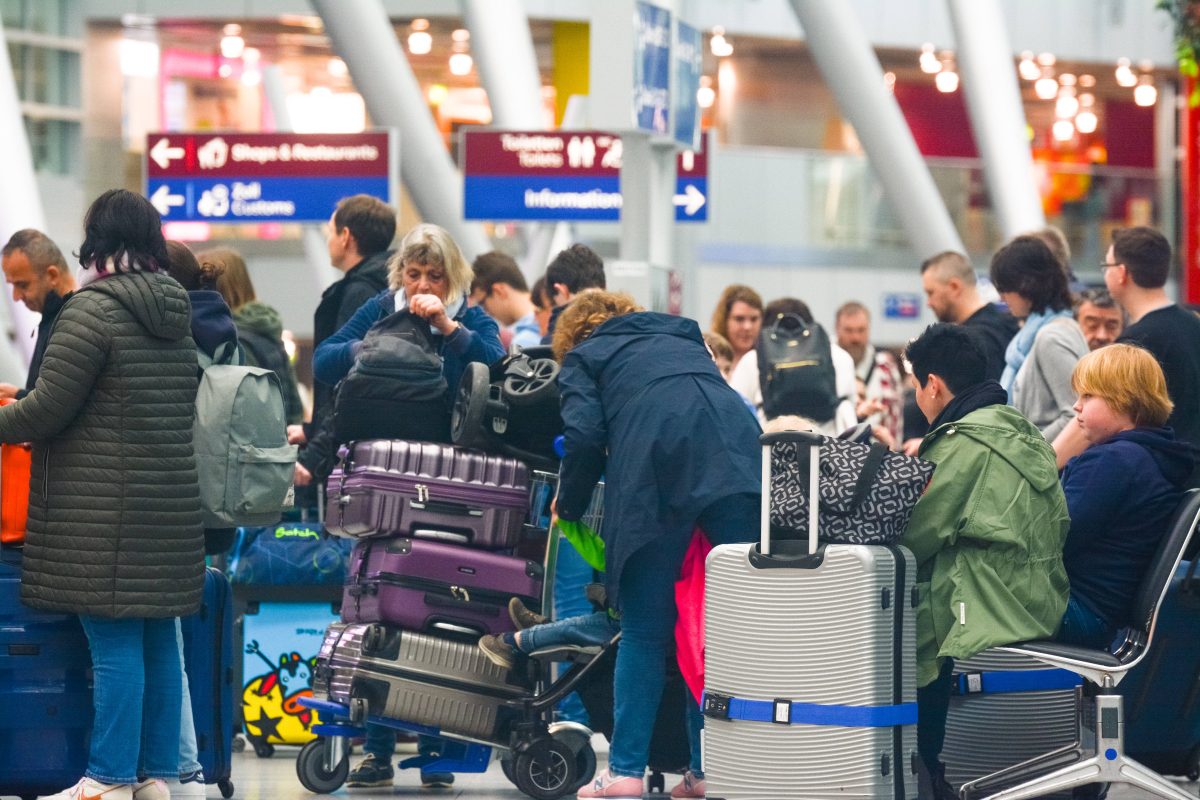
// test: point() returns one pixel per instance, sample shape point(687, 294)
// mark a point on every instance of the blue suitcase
point(45, 693)
point(208, 655)
point(1162, 694)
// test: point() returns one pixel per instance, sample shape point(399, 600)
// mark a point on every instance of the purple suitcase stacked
point(431, 587)
point(389, 487)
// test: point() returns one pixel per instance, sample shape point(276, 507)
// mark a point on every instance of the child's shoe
point(88, 789)
point(437, 780)
point(371, 772)
point(522, 617)
point(689, 787)
point(497, 650)
point(611, 787)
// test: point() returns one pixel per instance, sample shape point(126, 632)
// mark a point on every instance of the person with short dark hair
point(952, 294)
point(500, 288)
point(988, 533)
point(1100, 318)
point(1040, 358)
point(114, 532)
point(40, 279)
point(543, 305)
point(572, 271)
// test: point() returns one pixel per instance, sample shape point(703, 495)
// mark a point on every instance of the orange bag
point(15, 460)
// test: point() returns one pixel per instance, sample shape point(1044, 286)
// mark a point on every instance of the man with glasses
point(1135, 271)
point(1099, 317)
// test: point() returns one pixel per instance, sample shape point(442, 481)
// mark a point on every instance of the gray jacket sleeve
point(1058, 348)
point(75, 356)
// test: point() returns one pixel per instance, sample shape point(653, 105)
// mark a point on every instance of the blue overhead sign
point(902, 305)
point(221, 200)
point(691, 184)
point(688, 60)
point(652, 68)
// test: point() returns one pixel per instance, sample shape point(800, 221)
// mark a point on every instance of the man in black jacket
point(41, 280)
point(359, 234)
point(572, 270)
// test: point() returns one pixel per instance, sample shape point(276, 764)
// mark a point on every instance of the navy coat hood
point(212, 322)
point(1174, 457)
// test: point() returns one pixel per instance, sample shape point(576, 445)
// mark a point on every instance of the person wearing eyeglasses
point(1099, 317)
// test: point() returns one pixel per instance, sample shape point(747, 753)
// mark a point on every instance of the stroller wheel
point(545, 770)
point(585, 767)
point(506, 766)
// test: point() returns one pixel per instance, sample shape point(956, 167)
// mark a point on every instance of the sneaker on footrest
point(522, 617)
point(497, 651)
point(612, 787)
point(371, 772)
point(689, 787)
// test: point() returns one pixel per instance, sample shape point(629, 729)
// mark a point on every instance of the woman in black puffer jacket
point(114, 529)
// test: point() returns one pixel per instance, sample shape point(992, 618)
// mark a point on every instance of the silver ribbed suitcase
point(1007, 708)
point(809, 666)
point(401, 675)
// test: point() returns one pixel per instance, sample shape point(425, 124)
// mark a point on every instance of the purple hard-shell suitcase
point(387, 487)
point(432, 587)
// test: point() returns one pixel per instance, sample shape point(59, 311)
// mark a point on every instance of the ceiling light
point(252, 55)
point(705, 97)
point(1046, 88)
point(889, 80)
point(420, 24)
point(224, 71)
point(1124, 74)
point(460, 35)
point(437, 94)
point(460, 64)
point(1086, 122)
point(1087, 81)
point(1145, 94)
point(419, 43)
point(1067, 79)
point(1087, 100)
point(928, 61)
point(1063, 130)
point(337, 68)
point(1028, 68)
point(946, 81)
point(1046, 59)
point(232, 46)
point(720, 46)
point(1066, 106)
point(251, 77)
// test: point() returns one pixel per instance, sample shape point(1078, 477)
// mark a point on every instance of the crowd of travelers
point(1063, 428)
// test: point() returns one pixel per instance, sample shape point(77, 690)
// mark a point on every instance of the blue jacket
point(477, 339)
point(212, 322)
point(644, 405)
point(1121, 494)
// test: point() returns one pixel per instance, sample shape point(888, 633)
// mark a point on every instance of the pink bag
point(689, 624)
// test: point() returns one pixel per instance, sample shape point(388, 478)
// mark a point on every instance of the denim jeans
point(571, 576)
point(188, 751)
point(648, 625)
point(137, 697)
point(589, 630)
point(381, 743)
point(933, 705)
point(1083, 627)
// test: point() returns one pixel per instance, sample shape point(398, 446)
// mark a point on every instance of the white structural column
point(20, 207)
point(853, 74)
point(997, 116)
point(363, 36)
point(503, 50)
point(316, 251)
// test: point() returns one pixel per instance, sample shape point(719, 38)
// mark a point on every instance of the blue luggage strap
point(1008, 681)
point(786, 712)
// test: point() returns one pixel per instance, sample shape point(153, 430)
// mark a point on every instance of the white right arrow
point(692, 199)
point(162, 153)
point(163, 201)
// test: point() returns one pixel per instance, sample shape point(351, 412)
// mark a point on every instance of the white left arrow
point(162, 153)
point(163, 201)
point(692, 200)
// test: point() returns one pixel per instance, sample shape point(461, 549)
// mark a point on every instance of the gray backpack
point(240, 437)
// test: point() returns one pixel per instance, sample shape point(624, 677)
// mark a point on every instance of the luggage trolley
point(544, 759)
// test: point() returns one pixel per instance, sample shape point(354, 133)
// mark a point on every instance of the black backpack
point(795, 370)
point(396, 389)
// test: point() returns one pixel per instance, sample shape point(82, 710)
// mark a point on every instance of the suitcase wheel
point(585, 767)
point(226, 787)
point(310, 769)
point(358, 710)
point(656, 783)
point(1193, 765)
point(545, 770)
point(263, 749)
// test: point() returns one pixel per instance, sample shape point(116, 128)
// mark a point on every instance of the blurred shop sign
point(689, 62)
point(652, 68)
point(536, 175)
point(563, 176)
point(266, 177)
point(902, 305)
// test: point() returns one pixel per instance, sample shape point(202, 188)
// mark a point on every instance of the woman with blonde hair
point(259, 326)
point(644, 405)
point(1121, 491)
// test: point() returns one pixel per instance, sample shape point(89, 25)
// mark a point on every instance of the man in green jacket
point(988, 533)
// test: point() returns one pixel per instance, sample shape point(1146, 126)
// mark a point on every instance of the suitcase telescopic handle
point(801, 438)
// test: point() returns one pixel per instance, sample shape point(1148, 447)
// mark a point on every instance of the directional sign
point(691, 184)
point(560, 175)
point(688, 62)
point(652, 68)
point(265, 177)
point(902, 305)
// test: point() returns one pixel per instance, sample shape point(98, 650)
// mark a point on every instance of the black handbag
point(866, 492)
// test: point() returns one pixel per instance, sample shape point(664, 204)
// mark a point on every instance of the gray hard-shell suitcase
point(392, 487)
point(386, 671)
point(809, 665)
point(1006, 708)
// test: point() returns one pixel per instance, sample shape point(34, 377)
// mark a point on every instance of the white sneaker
point(88, 789)
point(151, 789)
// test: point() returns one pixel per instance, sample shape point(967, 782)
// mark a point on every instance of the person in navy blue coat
point(645, 406)
point(428, 276)
point(1121, 491)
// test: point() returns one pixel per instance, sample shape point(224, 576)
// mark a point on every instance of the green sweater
point(988, 538)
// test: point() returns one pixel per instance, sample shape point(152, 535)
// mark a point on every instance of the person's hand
point(866, 408)
point(554, 513)
point(301, 476)
point(883, 436)
point(911, 446)
point(432, 308)
point(8, 391)
point(295, 435)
